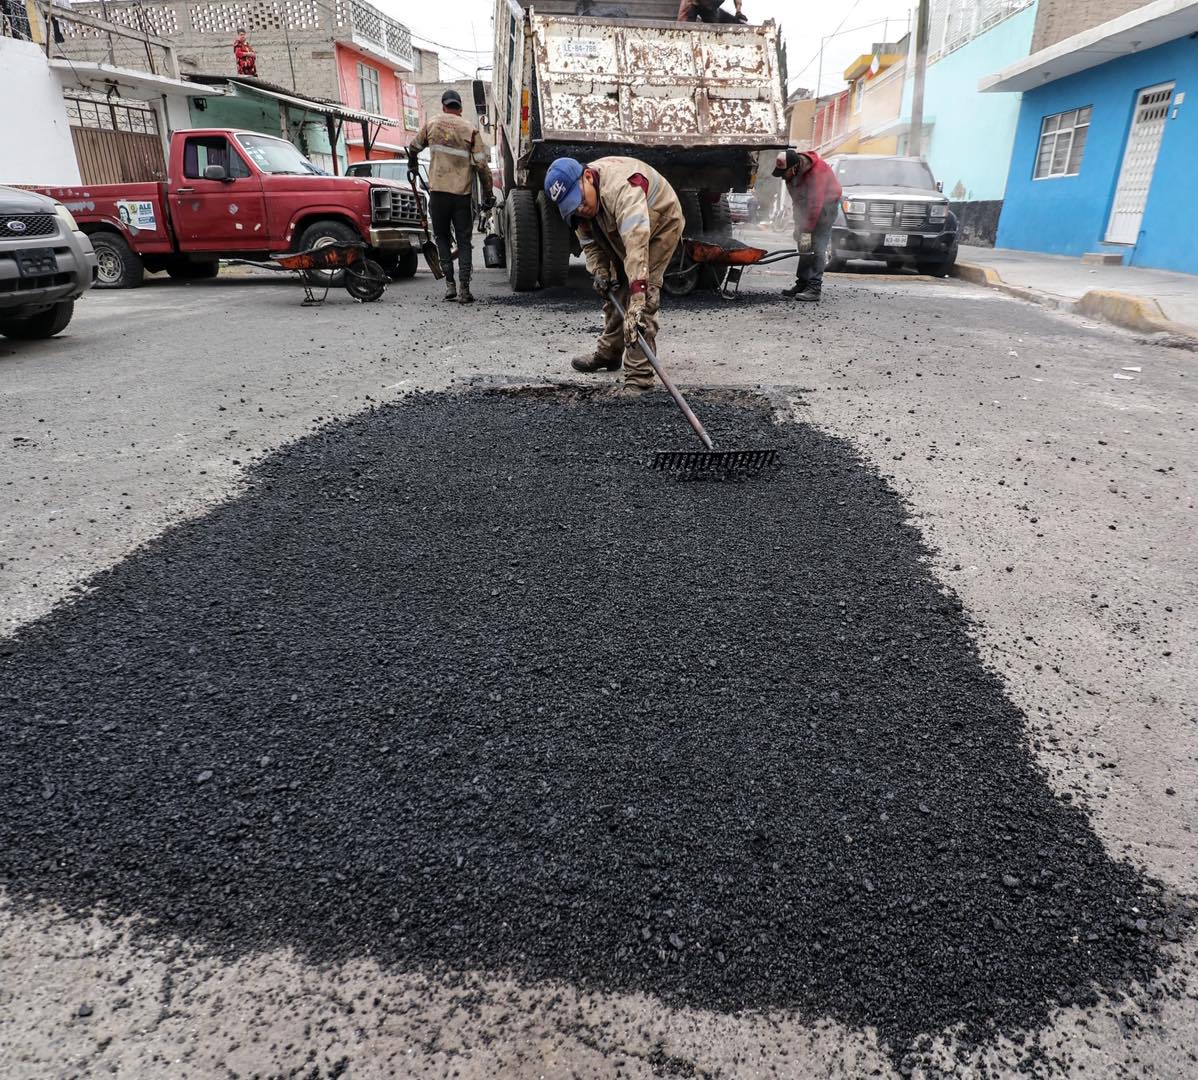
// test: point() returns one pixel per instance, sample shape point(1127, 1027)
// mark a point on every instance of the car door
point(217, 215)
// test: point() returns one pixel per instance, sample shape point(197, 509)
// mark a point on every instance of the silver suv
point(46, 264)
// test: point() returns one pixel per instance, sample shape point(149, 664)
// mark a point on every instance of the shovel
point(428, 248)
point(709, 459)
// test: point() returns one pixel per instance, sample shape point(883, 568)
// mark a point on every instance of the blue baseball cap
point(563, 185)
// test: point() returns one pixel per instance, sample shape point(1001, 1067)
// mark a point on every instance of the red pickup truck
point(239, 194)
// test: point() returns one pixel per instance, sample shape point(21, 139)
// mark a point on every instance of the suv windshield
point(884, 172)
point(385, 170)
point(276, 156)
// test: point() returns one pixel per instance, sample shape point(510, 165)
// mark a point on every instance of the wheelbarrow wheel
point(365, 280)
point(681, 275)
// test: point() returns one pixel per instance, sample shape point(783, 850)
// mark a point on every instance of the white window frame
point(368, 79)
point(1051, 137)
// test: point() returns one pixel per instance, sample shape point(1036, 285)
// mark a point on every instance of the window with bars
point(1062, 143)
point(368, 88)
point(110, 116)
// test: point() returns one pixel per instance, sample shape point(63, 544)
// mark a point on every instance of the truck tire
point(120, 267)
point(717, 217)
point(555, 244)
point(321, 234)
point(186, 270)
point(44, 324)
point(523, 234)
point(692, 214)
point(404, 266)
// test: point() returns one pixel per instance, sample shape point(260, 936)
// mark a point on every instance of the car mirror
point(215, 172)
point(939, 185)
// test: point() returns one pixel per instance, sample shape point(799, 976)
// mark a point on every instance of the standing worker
point(815, 192)
point(247, 59)
point(629, 223)
point(709, 11)
point(458, 155)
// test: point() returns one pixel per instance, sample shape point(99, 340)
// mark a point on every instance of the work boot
point(588, 365)
point(451, 289)
point(809, 295)
point(465, 296)
point(636, 387)
point(799, 286)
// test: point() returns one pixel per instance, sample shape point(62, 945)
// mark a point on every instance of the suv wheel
point(120, 267)
point(44, 324)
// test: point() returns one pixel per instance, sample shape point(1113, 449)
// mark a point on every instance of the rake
point(708, 461)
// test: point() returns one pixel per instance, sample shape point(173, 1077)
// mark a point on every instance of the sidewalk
point(1136, 297)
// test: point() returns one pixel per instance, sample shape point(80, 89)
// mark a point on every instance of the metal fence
point(954, 23)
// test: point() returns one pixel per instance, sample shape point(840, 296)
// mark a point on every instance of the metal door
point(1139, 160)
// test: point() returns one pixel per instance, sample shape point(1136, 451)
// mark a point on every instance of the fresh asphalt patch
point(461, 685)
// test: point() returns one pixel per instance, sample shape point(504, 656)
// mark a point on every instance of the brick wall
point(1059, 19)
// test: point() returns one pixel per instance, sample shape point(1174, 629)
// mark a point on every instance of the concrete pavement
point(1136, 297)
point(1053, 484)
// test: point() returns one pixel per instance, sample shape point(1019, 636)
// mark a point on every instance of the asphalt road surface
point(180, 434)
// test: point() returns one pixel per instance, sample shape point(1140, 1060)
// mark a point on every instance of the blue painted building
point(1106, 150)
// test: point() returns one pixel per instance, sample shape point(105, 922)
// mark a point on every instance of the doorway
point(1139, 161)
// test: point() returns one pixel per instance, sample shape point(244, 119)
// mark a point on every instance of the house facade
point(864, 118)
point(1106, 140)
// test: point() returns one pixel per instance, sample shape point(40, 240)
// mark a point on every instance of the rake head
point(714, 462)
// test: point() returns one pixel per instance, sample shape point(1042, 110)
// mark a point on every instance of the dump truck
point(587, 79)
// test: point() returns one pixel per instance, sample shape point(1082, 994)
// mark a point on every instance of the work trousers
point(810, 271)
point(452, 221)
point(637, 368)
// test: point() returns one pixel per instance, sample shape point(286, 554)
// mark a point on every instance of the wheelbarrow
point(326, 266)
point(730, 258)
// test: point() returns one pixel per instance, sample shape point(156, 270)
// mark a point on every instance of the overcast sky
point(465, 26)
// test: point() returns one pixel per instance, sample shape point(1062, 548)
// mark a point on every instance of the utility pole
point(915, 139)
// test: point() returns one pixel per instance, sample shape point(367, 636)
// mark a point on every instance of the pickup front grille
point(22, 226)
point(913, 215)
point(881, 213)
point(390, 206)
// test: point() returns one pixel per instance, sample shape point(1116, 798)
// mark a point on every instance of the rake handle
point(666, 381)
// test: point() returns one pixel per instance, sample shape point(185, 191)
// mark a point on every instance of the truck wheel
point(120, 267)
point(523, 233)
point(322, 234)
point(404, 266)
point(692, 214)
point(44, 324)
point(186, 270)
point(555, 244)
point(717, 217)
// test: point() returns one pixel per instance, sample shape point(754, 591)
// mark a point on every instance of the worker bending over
point(458, 154)
point(709, 11)
point(629, 223)
point(815, 192)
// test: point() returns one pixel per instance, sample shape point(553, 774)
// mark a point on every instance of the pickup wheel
point(522, 230)
point(120, 267)
point(555, 244)
point(44, 324)
point(403, 266)
point(186, 270)
point(322, 234)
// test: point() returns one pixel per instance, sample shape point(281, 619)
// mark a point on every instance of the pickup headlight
point(854, 207)
point(380, 203)
point(939, 211)
point(67, 218)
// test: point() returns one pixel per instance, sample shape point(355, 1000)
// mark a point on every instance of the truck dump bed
point(652, 83)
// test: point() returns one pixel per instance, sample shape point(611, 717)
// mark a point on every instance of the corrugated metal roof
point(311, 103)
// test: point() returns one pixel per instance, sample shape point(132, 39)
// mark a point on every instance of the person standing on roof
point(629, 223)
point(815, 192)
point(458, 155)
point(247, 59)
point(709, 11)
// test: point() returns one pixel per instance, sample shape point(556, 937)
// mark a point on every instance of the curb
point(1120, 309)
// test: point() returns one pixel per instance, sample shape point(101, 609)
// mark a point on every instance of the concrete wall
point(1059, 19)
point(36, 147)
point(1068, 215)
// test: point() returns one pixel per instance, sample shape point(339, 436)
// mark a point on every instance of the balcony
point(367, 29)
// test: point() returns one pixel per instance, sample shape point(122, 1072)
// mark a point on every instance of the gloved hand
point(413, 165)
point(634, 319)
point(488, 202)
point(601, 282)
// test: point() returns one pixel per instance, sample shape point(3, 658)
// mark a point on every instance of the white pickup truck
point(697, 101)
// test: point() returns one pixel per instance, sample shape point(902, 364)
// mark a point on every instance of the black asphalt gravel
point(461, 685)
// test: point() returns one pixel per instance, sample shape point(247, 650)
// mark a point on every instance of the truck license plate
point(895, 239)
point(36, 261)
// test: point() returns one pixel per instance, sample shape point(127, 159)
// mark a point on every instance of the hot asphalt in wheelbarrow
point(456, 685)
